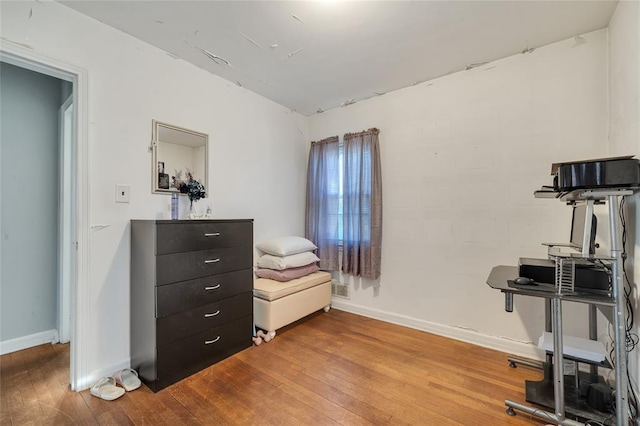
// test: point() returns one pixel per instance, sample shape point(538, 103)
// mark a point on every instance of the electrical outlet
point(122, 193)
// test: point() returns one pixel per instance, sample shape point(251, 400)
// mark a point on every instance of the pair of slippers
point(106, 387)
point(261, 336)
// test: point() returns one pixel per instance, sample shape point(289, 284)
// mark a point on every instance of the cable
point(631, 338)
point(590, 422)
point(627, 281)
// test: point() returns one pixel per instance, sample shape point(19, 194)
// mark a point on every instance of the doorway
point(30, 262)
point(72, 201)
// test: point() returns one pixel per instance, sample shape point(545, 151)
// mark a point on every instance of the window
point(344, 203)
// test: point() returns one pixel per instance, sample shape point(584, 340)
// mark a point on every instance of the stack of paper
point(577, 347)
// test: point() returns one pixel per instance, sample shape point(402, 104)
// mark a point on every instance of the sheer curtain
point(323, 201)
point(362, 204)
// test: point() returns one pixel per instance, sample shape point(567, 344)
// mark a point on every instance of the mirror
point(177, 152)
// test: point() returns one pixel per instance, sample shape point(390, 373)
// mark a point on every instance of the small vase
point(192, 211)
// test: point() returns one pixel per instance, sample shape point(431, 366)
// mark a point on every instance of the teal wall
point(29, 104)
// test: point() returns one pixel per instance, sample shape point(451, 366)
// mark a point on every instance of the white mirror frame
point(165, 135)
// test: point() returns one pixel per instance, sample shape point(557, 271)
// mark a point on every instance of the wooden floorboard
point(331, 368)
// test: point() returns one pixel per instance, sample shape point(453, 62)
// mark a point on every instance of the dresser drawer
point(175, 267)
point(181, 237)
point(178, 297)
point(185, 357)
point(178, 326)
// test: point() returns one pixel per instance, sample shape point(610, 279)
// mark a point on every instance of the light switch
point(122, 193)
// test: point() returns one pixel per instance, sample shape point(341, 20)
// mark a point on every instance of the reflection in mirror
point(177, 152)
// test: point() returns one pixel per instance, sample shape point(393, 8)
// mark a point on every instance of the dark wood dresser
point(191, 295)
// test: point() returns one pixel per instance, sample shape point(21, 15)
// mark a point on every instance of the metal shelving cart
point(552, 392)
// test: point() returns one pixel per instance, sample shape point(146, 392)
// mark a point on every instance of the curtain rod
point(371, 131)
point(326, 140)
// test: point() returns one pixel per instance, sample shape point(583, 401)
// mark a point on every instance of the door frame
point(66, 234)
point(15, 54)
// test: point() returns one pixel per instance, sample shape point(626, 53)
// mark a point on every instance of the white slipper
point(128, 379)
point(267, 337)
point(106, 389)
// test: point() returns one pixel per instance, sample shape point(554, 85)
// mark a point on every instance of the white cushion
point(283, 262)
point(285, 246)
point(272, 290)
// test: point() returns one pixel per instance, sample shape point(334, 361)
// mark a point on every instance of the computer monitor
point(578, 235)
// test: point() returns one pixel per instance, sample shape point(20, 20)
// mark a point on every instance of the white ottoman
point(276, 304)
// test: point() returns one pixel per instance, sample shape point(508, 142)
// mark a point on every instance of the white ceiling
point(312, 56)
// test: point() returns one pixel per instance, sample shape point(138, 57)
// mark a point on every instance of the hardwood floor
point(331, 368)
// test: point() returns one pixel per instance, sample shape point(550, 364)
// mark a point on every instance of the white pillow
point(285, 246)
point(283, 262)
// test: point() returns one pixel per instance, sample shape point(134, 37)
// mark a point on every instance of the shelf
point(556, 250)
point(501, 278)
point(603, 364)
point(576, 407)
point(584, 194)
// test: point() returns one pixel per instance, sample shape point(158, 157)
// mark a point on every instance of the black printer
point(613, 172)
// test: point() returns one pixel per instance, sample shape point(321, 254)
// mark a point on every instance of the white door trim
point(66, 234)
point(15, 54)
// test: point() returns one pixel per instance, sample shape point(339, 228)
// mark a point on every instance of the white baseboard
point(523, 349)
point(20, 343)
point(110, 370)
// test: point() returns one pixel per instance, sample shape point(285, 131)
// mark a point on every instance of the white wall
point(461, 157)
point(624, 127)
point(257, 155)
point(29, 237)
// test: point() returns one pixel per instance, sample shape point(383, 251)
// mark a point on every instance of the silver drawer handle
point(208, 342)
point(212, 261)
point(212, 288)
point(213, 234)
point(212, 315)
